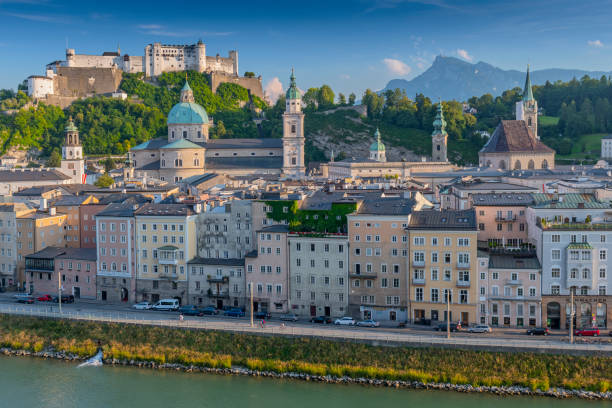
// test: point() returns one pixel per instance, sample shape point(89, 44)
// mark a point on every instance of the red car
point(587, 331)
point(44, 298)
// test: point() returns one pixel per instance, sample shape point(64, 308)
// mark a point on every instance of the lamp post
point(448, 314)
point(251, 287)
point(59, 291)
point(571, 316)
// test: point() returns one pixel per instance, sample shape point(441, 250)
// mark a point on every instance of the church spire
point(527, 93)
point(439, 123)
point(293, 92)
point(439, 137)
point(186, 92)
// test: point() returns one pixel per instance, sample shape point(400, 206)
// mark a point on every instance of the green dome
point(70, 126)
point(377, 146)
point(293, 92)
point(187, 113)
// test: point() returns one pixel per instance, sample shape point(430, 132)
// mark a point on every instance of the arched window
point(531, 165)
point(163, 163)
point(517, 165)
point(292, 128)
point(184, 134)
point(199, 134)
point(585, 273)
point(573, 273)
point(544, 164)
point(172, 134)
point(438, 147)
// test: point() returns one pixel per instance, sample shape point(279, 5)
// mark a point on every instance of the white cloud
point(160, 30)
point(273, 89)
point(397, 67)
point(464, 54)
point(595, 43)
point(345, 76)
point(150, 26)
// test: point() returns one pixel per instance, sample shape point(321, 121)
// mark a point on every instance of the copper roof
point(514, 136)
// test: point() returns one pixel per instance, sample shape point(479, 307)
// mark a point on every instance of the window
point(434, 274)
point(418, 294)
point(384, 283)
point(555, 272)
point(556, 254)
point(447, 275)
point(555, 289)
point(463, 296)
point(602, 254)
point(532, 292)
point(420, 241)
point(556, 238)
point(434, 257)
point(435, 295)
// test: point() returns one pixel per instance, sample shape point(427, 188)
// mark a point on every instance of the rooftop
point(117, 210)
point(14, 175)
point(217, 261)
point(509, 261)
point(274, 228)
point(86, 254)
point(387, 206)
point(161, 210)
point(568, 201)
point(502, 199)
point(579, 245)
point(514, 136)
point(48, 253)
point(446, 219)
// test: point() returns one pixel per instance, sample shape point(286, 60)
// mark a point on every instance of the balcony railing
point(463, 283)
point(463, 264)
point(218, 294)
point(217, 279)
point(505, 218)
point(514, 282)
point(418, 281)
point(362, 274)
point(418, 263)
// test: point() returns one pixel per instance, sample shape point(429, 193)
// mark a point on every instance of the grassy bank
point(306, 355)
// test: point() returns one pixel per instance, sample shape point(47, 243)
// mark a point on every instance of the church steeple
point(187, 93)
point(293, 133)
point(439, 137)
point(527, 92)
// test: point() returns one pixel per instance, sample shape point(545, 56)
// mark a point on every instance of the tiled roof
point(607, 136)
point(446, 219)
point(151, 144)
point(117, 210)
point(254, 143)
point(15, 175)
point(499, 199)
point(87, 254)
point(567, 201)
point(509, 261)
point(386, 206)
point(514, 136)
point(47, 253)
point(217, 261)
point(167, 210)
point(150, 166)
point(274, 228)
point(181, 144)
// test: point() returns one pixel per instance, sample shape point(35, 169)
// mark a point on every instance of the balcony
point(463, 283)
point(463, 265)
point(513, 282)
point(167, 255)
point(418, 281)
point(169, 276)
point(418, 263)
point(218, 294)
point(363, 275)
point(217, 279)
point(505, 218)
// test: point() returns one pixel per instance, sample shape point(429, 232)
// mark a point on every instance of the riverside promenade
point(378, 336)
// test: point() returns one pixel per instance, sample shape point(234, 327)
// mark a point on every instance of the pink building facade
point(88, 224)
point(501, 218)
point(115, 269)
point(267, 270)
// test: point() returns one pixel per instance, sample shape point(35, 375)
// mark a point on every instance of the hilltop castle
point(83, 75)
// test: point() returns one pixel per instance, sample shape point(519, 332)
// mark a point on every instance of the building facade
point(217, 282)
point(318, 272)
point(502, 219)
point(443, 266)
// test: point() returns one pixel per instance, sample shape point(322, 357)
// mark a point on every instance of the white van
point(166, 304)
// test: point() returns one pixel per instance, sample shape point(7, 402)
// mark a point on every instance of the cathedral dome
point(187, 113)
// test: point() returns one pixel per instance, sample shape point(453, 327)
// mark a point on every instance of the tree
point(104, 181)
point(310, 98)
point(55, 160)
point(351, 100)
point(221, 131)
point(109, 164)
point(326, 96)
point(341, 99)
point(374, 103)
point(249, 74)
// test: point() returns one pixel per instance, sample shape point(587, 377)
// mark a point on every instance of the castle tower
point(439, 137)
point(200, 54)
point(527, 107)
point(377, 149)
point(293, 133)
point(73, 164)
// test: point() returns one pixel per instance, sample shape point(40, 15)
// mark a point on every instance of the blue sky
point(350, 45)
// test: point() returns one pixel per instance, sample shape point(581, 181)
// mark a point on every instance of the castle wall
point(93, 61)
point(79, 82)
point(39, 86)
point(161, 58)
point(225, 65)
point(252, 84)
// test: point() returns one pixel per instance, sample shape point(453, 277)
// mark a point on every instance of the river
point(29, 383)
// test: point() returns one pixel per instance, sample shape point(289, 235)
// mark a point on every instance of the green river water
point(32, 383)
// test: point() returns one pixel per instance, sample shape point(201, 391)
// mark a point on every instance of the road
point(509, 339)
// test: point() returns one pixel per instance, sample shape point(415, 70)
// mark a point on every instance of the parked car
point(166, 305)
point(190, 310)
point(368, 323)
point(210, 310)
point(65, 299)
point(234, 313)
point(45, 298)
point(321, 320)
point(142, 306)
point(262, 315)
point(289, 317)
point(24, 299)
point(345, 321)
point(538, 331)
point(587, 331)
point(454, 327)
point(480, 328)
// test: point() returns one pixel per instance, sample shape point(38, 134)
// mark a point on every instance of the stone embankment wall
point(252, 84)
point(466, 388)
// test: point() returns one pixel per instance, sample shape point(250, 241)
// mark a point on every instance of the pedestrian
point(180, 317)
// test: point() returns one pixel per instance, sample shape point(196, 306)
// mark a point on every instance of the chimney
point(43, 204)
point(52, 211)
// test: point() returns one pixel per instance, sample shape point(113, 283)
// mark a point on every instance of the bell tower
point(293, 133)
point(73, 164)
point(439, 137)
point(527, 107)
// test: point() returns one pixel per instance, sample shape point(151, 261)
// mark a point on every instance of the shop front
point(589, 311)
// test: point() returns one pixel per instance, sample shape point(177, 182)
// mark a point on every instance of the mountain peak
point(452, 78)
